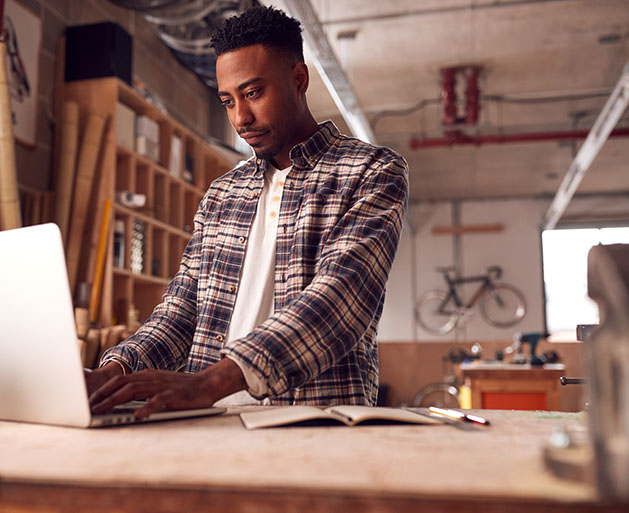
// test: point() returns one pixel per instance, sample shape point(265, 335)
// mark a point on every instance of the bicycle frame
point(453, 294)
point(500, 304)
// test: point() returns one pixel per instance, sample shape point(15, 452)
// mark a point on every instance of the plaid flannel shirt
point(339, 225)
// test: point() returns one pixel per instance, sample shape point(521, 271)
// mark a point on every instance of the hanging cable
point(489, 99)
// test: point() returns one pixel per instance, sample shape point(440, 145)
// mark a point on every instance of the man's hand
point(169, 390)
point(94, 379)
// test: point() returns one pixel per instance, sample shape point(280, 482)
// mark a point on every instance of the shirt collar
point(309, 152)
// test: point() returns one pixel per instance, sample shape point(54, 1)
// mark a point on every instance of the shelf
point(120, 209)
point(155, 236)
point(142, 278)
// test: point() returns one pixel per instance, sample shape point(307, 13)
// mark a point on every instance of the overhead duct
point(608, 118)
point(330, 70)
point(186, 26)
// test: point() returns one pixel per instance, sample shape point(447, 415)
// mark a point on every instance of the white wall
point(396, 323)
point(517, 249)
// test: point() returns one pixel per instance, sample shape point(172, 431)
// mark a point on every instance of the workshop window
point(564, 253)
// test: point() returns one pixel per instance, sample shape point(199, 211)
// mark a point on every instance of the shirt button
point(220, 338)
point(231, 288)
point(276, 198)
point(259, 161)
point(273, 214)
point(241, 240)
point(255, 194)
point(280, 183)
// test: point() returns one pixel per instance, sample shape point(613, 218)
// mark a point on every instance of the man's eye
point(227, 103)
point(252, 94)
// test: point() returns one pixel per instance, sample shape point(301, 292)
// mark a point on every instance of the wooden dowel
point(10, 216)
point(67, 166)
point(113, 338)
point(91, 348)
point(88, 155)
point(103, 186)
point(472, 228)
point(100, 262)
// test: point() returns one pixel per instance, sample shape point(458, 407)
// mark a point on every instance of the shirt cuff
point(114, 358)
point(257, 388)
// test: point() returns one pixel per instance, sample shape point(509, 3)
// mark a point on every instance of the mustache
point(244, 131)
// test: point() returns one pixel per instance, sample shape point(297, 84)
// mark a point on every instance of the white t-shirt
point(254, 298)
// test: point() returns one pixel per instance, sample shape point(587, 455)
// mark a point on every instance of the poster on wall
point(22, 29)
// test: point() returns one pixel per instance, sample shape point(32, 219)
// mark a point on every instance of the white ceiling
point(528, 49)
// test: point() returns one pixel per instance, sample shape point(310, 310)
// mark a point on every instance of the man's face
point(260, 92)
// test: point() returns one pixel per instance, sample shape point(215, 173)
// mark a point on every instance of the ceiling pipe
point(472, 95)
point(448, 96)
point(450, 116)
point(457, 138)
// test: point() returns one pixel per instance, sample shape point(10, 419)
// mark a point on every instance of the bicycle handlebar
point(496, 270)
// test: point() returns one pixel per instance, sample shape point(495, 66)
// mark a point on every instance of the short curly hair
point(260, 25)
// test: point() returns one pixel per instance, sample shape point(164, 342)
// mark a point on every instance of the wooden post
point(67, 166)
point(10, 216)
point(100, 263)
point(82, 190)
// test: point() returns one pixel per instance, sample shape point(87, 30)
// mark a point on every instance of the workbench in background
point(214, 464)
point(504, 386)
point(407, 367)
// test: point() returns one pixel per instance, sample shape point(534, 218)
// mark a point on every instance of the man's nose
point(243, 115)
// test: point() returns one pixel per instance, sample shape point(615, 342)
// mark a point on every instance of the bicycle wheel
point(431, 315)
point(442, 395)
point(503, 305)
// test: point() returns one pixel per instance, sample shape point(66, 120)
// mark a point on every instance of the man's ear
point(301, 77)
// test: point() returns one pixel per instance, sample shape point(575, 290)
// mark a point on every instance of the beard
point(270, 151)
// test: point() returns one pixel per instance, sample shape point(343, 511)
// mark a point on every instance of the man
point(281, 286)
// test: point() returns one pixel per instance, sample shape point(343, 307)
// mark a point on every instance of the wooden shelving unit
point(167, 217)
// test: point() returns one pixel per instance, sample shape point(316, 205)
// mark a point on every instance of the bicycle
point(501, 305)
point(446, 394)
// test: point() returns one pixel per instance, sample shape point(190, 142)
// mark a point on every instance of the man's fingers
point(118, 382)
point(163, 389)
point(107, 389)
point(155, 404)
point(122, 392)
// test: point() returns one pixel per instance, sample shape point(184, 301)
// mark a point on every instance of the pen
point(457, 415)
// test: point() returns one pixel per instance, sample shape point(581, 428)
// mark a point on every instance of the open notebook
point(343, 414)
point(41, 377)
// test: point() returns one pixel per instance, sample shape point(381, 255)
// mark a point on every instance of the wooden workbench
point(504, 386)
point(214, 464)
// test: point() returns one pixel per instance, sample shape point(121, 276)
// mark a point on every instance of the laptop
point(41, 375)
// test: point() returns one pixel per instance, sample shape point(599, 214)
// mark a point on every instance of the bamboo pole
point(100, 263)
point(10, 216)
point(67, 166)
point(88, 155)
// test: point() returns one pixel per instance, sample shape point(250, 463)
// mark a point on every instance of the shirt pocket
point(318, 215)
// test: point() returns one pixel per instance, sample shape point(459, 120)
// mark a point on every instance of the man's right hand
point(94, 379)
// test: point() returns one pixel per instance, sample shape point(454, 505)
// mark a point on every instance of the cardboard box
point(125, 126)
point(176, 156)
point(147, 147)
point(147, 137)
